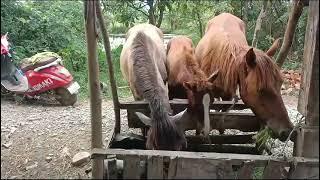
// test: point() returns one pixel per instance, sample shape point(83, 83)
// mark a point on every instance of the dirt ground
point(39, 140)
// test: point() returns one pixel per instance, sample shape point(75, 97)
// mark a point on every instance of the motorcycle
point(41, 75)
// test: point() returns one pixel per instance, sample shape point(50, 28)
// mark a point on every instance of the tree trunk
point(245, 11)
point(260, 18)
point(151, 12)
point(296, 10)
point(160, 18)
point(199, 23)
point(94, 85)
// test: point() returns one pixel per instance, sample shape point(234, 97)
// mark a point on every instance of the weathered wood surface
point(94, 84)
point(221, 144)
point(131, 167)
point(275, 170)
point(308, 104)
point(224, 148)
point(182, 103)
point(190, 165)
point(246, 122)
point(246, 170)
point(222, 139)
point(260, 160)
point(110, 167)
point(155, 167)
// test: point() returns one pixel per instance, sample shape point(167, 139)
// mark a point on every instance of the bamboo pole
point(113, 84)
point(94, 86)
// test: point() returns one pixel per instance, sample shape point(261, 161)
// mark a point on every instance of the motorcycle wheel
point(5, 92)
point(65, 97)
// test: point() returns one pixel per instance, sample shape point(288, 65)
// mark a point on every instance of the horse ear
point(145, 119)
point(213, 76)
point(251, 58)
point(272, 50)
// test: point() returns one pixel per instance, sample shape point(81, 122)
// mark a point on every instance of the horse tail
point(163, 132)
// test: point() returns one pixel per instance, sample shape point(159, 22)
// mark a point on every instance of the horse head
point(260, 84)
point(197, 88)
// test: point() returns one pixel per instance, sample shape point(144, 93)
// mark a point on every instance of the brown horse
point(224, 47)
point(143, 66)
point(185, 78)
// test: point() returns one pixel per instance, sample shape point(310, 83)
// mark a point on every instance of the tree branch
point(138, 9)
point(296, 11)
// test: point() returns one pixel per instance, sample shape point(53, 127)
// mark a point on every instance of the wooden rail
point(180, 164)
point(182, 103)
point(246, 122)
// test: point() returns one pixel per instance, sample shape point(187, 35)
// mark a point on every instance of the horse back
point(154, 49)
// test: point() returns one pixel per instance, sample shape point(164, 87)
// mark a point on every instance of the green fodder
point(262, 137)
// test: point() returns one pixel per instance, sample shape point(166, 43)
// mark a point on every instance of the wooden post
point(113, 84)
point(308, 105)
point(94, 84)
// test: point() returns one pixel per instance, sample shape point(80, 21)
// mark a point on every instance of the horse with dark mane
point(224, 47)
point(185, 78)
point(143, 66)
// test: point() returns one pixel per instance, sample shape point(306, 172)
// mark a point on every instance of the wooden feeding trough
point(246, 122)
point(125, 155)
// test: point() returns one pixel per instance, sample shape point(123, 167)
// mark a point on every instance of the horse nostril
point(283, 136)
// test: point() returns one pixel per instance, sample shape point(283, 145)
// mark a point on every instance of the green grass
point(258, 172)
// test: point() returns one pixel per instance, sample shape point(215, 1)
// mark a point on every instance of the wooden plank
point(308, 103)
point(222, 139)
point(155, 167)
point(225, 171)
point(90, 8)
point(246, 122)
point(110, 168)
point(182, 104)
point(223, 148)
point(131, 167)
point(246, 170)
point(301, 171)
point(172, 167)
point(196, 168)
point(275, 170)
point(260, 160)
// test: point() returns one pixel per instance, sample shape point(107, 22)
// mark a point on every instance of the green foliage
point(37, 26)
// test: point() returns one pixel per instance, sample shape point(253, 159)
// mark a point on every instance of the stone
point(32, 166)
point(7, 145)
point(65, 152)
point(80, 158)
point(48, 158)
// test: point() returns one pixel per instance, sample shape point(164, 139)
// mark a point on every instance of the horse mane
point(223, 52)
point(163, 133)
point(193, 66)
point(228, 56)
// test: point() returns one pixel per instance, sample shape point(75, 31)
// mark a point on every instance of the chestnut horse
point(186, 79)
point(224, 47)
point(142, 63)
